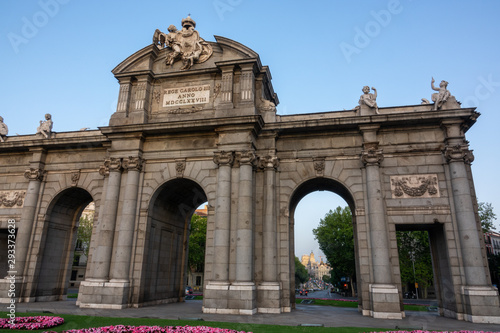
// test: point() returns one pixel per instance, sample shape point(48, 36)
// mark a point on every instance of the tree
point(413, 247)
point(85, 226)
point(336, 239)
point(486, 216)
point(197, 243)
point(301, 274)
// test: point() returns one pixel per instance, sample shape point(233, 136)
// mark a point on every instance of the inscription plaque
point(186, 95)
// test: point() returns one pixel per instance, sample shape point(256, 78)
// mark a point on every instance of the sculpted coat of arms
point(185, 45)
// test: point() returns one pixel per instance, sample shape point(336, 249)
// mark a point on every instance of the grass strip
point(78, 322)
point(345, 304)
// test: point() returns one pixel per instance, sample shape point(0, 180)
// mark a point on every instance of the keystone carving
point(224, 158)
point(319, 166)
point(180, 166)
point(110, 164)
point(12, 198)
point(458, 153)
point(133, 163)
point(34, 174)
point(75, 177)
point(412, 186)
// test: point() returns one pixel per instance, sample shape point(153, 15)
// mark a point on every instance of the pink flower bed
point(30, 323)
point(154, 329)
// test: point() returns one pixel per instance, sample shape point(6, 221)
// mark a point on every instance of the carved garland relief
point(415, 186)
point(12, 199)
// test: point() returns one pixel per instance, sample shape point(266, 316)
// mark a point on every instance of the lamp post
point(412, 257)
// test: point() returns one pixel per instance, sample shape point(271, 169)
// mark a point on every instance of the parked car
point(189, 290)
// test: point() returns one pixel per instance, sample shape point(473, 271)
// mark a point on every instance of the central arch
point(305, 188)
point(166, 242)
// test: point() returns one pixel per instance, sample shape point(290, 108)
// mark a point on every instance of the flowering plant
point(153, 329)
point(30, 323)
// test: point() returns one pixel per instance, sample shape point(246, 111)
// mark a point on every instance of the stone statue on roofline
point(45, 127)
point(4, 130)
point(368, 99)
point(443, 99)
point(185, 45)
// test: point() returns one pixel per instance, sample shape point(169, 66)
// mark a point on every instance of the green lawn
point(345, 304)
point(77, 322)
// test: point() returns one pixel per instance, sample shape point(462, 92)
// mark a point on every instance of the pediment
point(153, 59)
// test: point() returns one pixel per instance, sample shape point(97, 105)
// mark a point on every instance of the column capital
point(133, 163)
point(246, 157)
point(224, 158)
point(35, 174)
point(268, 162)
point(111, 164)
point(372, 157)
point(458, 153)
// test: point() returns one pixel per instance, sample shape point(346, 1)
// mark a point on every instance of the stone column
point(269, 237)
point(27, 222)
point(268, 291)
point(384, 294)
point(457, 157)
point(123, 248)
point(244, 233)
point(481, 299)
point(106, 228)
point(222, 216)
point(378, 230)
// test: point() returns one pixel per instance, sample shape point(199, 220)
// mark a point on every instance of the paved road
point(303, 314)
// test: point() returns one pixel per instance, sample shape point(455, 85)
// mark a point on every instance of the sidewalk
point(303, 314)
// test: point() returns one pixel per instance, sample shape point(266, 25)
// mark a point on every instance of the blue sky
point(56, 57)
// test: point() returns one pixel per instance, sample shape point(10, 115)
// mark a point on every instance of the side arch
point(57, 243)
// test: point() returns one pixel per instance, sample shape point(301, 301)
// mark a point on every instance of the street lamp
point(412, 258)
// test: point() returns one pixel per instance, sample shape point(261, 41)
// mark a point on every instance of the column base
point(268, 297)
point(481, 304)
point(96, 294)
point(230, 298)
point(385, 302)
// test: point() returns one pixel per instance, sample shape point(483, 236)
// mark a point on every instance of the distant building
point(492, 242)
point(316, 270)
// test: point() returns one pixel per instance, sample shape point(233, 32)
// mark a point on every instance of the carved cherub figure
point(171, 41)
point(4, 130)
point(442, 95)
point(45, 127)
point(369, 99)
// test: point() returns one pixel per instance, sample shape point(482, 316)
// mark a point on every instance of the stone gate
point(196, 122)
